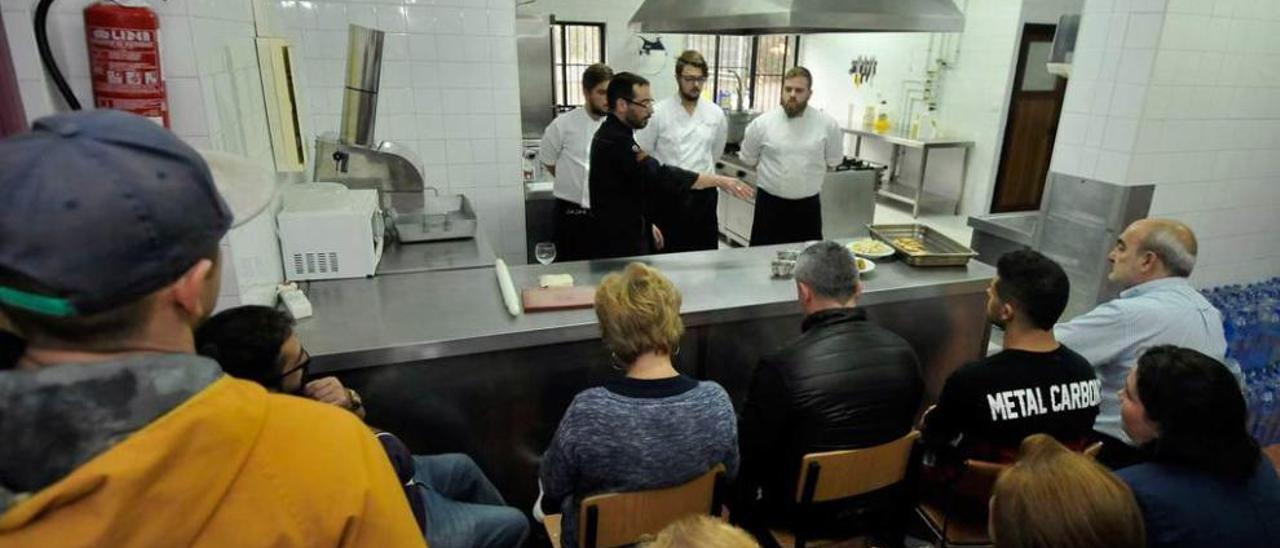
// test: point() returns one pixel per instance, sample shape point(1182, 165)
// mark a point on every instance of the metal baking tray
point(939, 250)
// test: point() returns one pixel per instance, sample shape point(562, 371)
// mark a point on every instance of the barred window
point(575, 46)
point(752, 64)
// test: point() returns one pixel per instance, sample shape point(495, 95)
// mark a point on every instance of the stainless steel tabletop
point(426, 315)
point(400, 258)
point(903, 140)
point(1017, 227)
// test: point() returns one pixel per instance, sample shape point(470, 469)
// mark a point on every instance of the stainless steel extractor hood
point(749, 17)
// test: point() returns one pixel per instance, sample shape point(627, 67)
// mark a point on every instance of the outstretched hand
point(737, 188)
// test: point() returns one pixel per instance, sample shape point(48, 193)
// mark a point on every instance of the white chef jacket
point(792, 154)
point(689, 141)
point(566, 145)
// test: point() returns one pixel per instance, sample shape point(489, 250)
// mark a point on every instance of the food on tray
point(868, 246)
point(911, 245)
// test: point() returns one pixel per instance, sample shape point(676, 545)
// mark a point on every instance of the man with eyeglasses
point(453, 501)
point(627, 185)
point(689, 132)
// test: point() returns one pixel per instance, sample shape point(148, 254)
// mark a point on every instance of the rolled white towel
point(508, 289)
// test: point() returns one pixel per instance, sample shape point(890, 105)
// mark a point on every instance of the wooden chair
point(974, 484)
point(1272, 452)
point(838, 475)
point(1093, 450)
point(953, 528)
point(620, 519)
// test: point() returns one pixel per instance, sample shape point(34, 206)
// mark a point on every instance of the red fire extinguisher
point(124, 58)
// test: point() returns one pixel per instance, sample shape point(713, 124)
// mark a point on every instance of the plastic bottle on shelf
point(869, 116)
point(928, 124)
point(882, 119)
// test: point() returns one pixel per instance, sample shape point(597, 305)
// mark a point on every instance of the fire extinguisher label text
point(123, 35)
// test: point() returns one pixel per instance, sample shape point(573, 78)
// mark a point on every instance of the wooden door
point(1032, 125)
point(12, 118)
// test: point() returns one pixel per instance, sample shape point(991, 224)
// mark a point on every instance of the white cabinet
point(736, 215)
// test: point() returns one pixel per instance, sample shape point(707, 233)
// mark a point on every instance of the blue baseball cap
point(99, 209)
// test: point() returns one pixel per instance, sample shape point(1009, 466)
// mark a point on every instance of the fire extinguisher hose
point(46, 55)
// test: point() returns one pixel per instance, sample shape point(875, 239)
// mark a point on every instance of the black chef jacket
point(626, 186)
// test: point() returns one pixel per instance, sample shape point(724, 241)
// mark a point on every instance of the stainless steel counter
point(407, 258)
point(427, 315)
point(439, 362)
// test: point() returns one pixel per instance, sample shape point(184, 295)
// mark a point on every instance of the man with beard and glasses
point(565, 152)
point(792, 147)
point(453, 501)
point(1034, 386)
point(115, 432)
point(689, 132)
point(626, 184)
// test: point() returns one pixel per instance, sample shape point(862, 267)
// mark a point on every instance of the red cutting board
point(558, 298)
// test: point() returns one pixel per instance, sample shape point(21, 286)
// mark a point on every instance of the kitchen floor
point(952, 226)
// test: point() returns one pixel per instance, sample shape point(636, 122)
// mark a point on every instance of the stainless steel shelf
point(913, 196)
point(899, 192)
point(902, 140)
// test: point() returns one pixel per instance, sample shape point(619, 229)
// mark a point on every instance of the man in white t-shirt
point(792, 147)
point(688, 132)
point(566, 152)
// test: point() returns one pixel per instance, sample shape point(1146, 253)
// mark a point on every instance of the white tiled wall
point(449, 83)
point(449, 91)
point(207, 56)
point(1185, 95)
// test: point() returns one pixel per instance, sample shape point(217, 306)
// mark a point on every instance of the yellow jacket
point(230, 467)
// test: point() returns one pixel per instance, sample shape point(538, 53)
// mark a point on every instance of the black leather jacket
point(844, 383)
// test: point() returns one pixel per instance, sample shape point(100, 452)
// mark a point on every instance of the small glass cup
point(783, 268)
point(545, 252)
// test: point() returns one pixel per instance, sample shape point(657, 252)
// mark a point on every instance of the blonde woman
point(1056, 498)
point(701, 532)
point(652, 427)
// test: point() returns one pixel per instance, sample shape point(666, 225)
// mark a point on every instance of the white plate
point(865, 266)
point(888, 253)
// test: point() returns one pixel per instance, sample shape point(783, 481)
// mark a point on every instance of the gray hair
point(1174, 244)
point(828, 268)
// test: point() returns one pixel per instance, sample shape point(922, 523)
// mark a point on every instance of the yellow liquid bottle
point(882, 123)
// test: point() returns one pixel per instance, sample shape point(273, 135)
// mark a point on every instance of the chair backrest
point(979, 478)
point(619, 519)
point(842, 474)
point(1272, 452)
point(1093, 450)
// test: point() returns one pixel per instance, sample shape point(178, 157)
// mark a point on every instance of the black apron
point(572, 231)
point(782, 221)
point(690, 224)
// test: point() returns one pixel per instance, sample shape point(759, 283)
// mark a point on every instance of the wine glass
point(545, 252)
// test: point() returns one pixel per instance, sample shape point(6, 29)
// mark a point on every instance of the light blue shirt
point(1113, 335)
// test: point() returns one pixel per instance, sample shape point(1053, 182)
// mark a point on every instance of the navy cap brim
point(246, 186)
